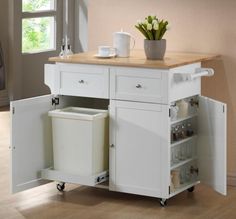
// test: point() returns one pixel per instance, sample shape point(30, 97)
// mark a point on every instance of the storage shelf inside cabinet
point(183, 187)
point(183, 141)
point(182, 162)
point(183, 119)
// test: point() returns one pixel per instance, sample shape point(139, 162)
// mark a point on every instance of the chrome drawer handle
point(81, 81)
point(138, 86)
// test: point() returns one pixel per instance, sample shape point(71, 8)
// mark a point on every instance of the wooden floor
point(80, 202)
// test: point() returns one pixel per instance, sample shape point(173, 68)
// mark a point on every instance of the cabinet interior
point(183, 143)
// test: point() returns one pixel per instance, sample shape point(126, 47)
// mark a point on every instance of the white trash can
point(80, 140)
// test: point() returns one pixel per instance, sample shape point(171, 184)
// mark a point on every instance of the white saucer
point(104, 57)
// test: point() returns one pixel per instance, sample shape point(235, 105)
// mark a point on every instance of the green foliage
point(35, 5)
point(36, 31)
point(152, 28)
point(35, 34)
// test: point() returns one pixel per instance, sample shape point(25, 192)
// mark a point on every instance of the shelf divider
point(182, 119)
point(181, 163)
point(183, 141)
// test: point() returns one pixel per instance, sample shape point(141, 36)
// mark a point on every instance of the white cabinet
point(198, 146)
point(144, 159)
point(78, 80)
point(146, 156)
point(31, 143)
point(139, 84)
point(139, 140)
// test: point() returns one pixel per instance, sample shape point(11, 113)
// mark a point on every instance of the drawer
point(84, 80)
point(139, 84)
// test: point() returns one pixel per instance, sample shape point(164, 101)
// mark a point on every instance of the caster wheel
point(60, 187)
point(163, 202)
point(191, 189)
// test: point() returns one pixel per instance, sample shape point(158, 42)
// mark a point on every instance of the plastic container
point(80, 140)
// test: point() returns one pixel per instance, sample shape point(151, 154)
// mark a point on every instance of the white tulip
point(155, 26)
point(146, 22)
point(149, 26)
point(154, 22)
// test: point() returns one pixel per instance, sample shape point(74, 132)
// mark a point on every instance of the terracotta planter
point(155, 49)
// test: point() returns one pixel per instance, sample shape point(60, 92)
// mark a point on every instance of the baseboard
point(231, 179)
point(4, 100)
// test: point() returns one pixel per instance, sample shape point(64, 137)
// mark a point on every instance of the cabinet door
point(139, 139)
point(31, 144)
point(212, 143)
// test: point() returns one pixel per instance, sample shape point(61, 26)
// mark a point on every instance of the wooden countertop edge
point(172, 60)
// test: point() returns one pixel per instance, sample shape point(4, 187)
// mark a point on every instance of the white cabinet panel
point(52, 78)
point(31, 141)
point(180, 88)
point(212, 143)
point(139, 148)
point(145, 85)
point(84, 80)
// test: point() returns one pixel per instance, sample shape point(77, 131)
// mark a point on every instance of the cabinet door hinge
point(55, 101)
point(223, 109)
point(13, 110)
point(169, 190)
point(169, 113)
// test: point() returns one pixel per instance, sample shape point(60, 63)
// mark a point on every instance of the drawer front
point(144, 85)
point(84, 80)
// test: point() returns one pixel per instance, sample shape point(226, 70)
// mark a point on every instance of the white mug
point(105, 51)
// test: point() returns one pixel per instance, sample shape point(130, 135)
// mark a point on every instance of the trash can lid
point(79, 113)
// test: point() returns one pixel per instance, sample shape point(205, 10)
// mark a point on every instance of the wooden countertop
point(137, 59)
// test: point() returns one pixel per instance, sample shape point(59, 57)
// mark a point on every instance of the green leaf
point(142, 31)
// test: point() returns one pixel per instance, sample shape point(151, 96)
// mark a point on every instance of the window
point(38, 25)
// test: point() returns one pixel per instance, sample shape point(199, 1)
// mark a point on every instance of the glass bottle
point(190, 131)
point(62, 53)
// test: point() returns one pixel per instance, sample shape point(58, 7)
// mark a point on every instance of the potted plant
point(153, 30)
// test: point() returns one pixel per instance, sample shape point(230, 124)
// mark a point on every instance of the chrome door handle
point(138, 86)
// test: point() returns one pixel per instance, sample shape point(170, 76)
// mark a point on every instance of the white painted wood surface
point(84, 80)
point(212, 155)
point(139, 162)
point(139, 127)
point(139, 84)
point(31, 141)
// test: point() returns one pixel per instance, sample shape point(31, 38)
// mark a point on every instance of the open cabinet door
point(31, 141)
point(212, 143)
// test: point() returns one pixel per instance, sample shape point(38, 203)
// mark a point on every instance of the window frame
point(40, 14)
